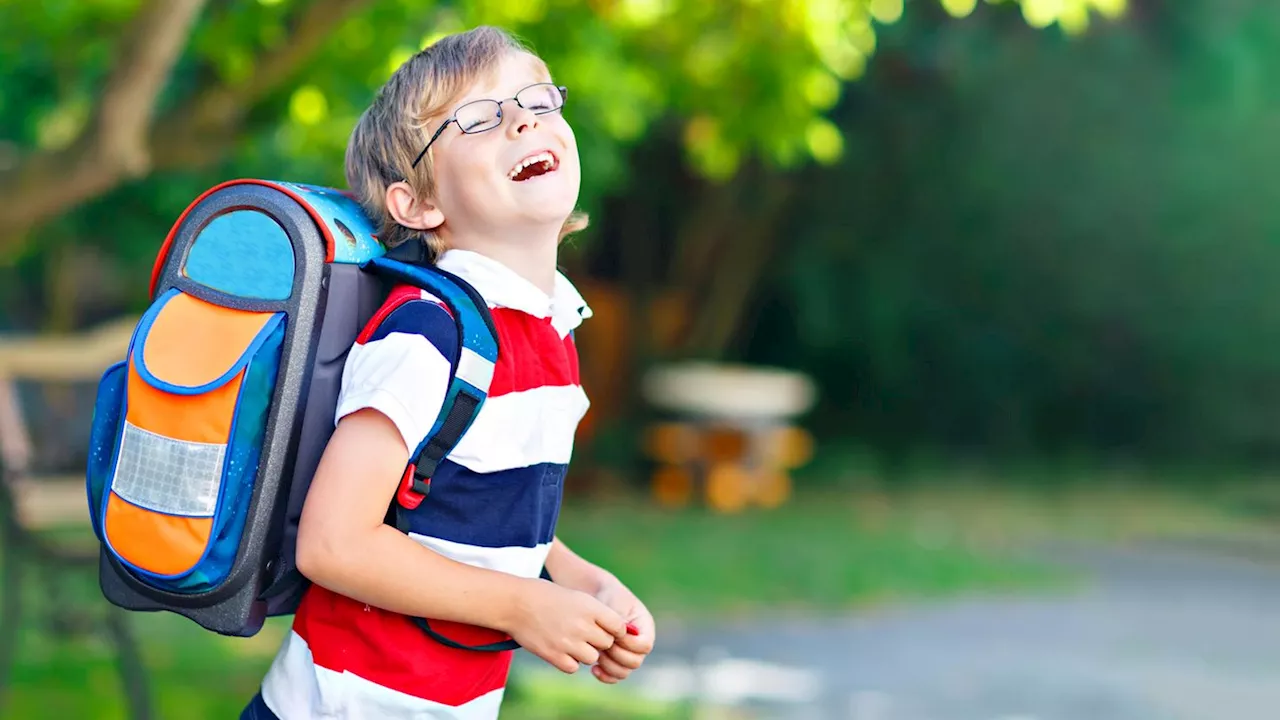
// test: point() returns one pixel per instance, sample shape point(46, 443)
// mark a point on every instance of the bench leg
point(10, 592)
point(133, 671)
point(10, 621)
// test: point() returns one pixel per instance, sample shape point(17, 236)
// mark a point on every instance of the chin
point(547, 216)
point(546, 203)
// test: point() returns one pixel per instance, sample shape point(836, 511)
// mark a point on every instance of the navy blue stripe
point(425, 318)
point(510, 508)
point(257, 710)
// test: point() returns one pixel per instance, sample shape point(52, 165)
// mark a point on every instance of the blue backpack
point(206, 436)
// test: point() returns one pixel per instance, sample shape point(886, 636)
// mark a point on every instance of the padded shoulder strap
point(469, 383)
point(472, 372)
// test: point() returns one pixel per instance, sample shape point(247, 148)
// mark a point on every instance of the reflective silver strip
point(168, 476)
point(474, 369)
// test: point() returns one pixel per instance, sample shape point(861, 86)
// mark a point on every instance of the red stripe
point(398, 296)
point(389, 650)
point(531, 354)
point(571, 352)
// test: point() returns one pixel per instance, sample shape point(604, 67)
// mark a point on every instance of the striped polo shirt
point(494, 500)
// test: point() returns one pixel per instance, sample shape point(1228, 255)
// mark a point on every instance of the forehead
point(506, 77)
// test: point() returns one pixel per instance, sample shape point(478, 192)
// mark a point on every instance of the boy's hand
point(564, 627)
point(626, 656)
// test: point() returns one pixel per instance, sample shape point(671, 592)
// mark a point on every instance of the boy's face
point(478, 186)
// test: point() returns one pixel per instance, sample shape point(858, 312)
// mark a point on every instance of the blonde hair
point(393, 130)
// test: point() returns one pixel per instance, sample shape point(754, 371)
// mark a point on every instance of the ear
point(409, 211)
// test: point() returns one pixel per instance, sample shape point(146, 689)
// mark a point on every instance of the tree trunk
point(124, 143)
point(724, 249)
point(113, 147)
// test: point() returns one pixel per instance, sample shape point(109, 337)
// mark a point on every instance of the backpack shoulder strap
point(470, 373)
point(470, 376)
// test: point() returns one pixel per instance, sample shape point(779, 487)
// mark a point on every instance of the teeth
point(544, 157)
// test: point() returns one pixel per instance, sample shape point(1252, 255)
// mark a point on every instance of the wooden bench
point(730, 437)
point(34, 508)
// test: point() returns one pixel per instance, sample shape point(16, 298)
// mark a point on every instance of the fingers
point(616, 665)
point(603, 676)
point(623, 659)
point(563, 663)
point(599, 638)
point(641, 644)
point(611, 621)
point(585, 654)
point(641, 641)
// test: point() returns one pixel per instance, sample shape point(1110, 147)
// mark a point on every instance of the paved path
point(1156, 635)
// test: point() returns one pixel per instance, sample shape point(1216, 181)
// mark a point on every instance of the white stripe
point(296, 689)
point(475, 369)
point(403, 376)
point(520, 561)
point(523, 428)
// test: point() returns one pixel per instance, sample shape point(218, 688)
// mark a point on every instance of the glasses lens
point(541, 98)
point(479, 116)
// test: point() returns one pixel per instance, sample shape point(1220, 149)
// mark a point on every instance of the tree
point(103, 93)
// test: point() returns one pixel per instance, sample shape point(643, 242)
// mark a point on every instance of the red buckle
point(407, 496)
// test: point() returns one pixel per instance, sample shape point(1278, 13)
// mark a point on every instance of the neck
point(530, 254)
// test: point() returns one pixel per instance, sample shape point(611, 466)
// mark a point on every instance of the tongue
point(533, 170)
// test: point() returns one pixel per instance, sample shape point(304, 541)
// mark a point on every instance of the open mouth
point(539, 163)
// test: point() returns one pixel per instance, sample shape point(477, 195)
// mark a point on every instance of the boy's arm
point(567, 568)
point(344, 545)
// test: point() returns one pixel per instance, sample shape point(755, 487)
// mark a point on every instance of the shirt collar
point(501, 286)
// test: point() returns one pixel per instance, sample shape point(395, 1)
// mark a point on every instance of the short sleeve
point(400, 367)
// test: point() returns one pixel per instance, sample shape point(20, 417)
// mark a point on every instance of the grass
point(837, 549)
point(193, 674)
point(822, 552)
point(826, 551)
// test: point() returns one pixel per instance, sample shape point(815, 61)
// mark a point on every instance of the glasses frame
point(564, 98)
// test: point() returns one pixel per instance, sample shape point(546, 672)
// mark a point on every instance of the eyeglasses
point(480, 116)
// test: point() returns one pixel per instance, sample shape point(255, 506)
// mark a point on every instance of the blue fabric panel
point(104, 438)
point(243, 253)
point(353, 234)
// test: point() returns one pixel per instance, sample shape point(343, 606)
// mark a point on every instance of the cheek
point(565, 131)
point(570, 143)
point(461, 175)
point(470, 159)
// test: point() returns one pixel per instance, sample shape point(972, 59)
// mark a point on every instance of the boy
point(464, 149)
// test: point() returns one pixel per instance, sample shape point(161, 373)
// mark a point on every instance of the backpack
point(206, 436)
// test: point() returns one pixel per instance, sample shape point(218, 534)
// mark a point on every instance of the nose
point(520, 120)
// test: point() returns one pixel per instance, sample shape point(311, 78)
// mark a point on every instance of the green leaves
point(1073, 16)
point(753, 78)
point(272, 88)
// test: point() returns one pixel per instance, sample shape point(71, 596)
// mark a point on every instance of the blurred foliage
point(991, 238)
point(1044, 247)
point(740, 79)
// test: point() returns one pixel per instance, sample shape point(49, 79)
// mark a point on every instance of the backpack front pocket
point(177, 435)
